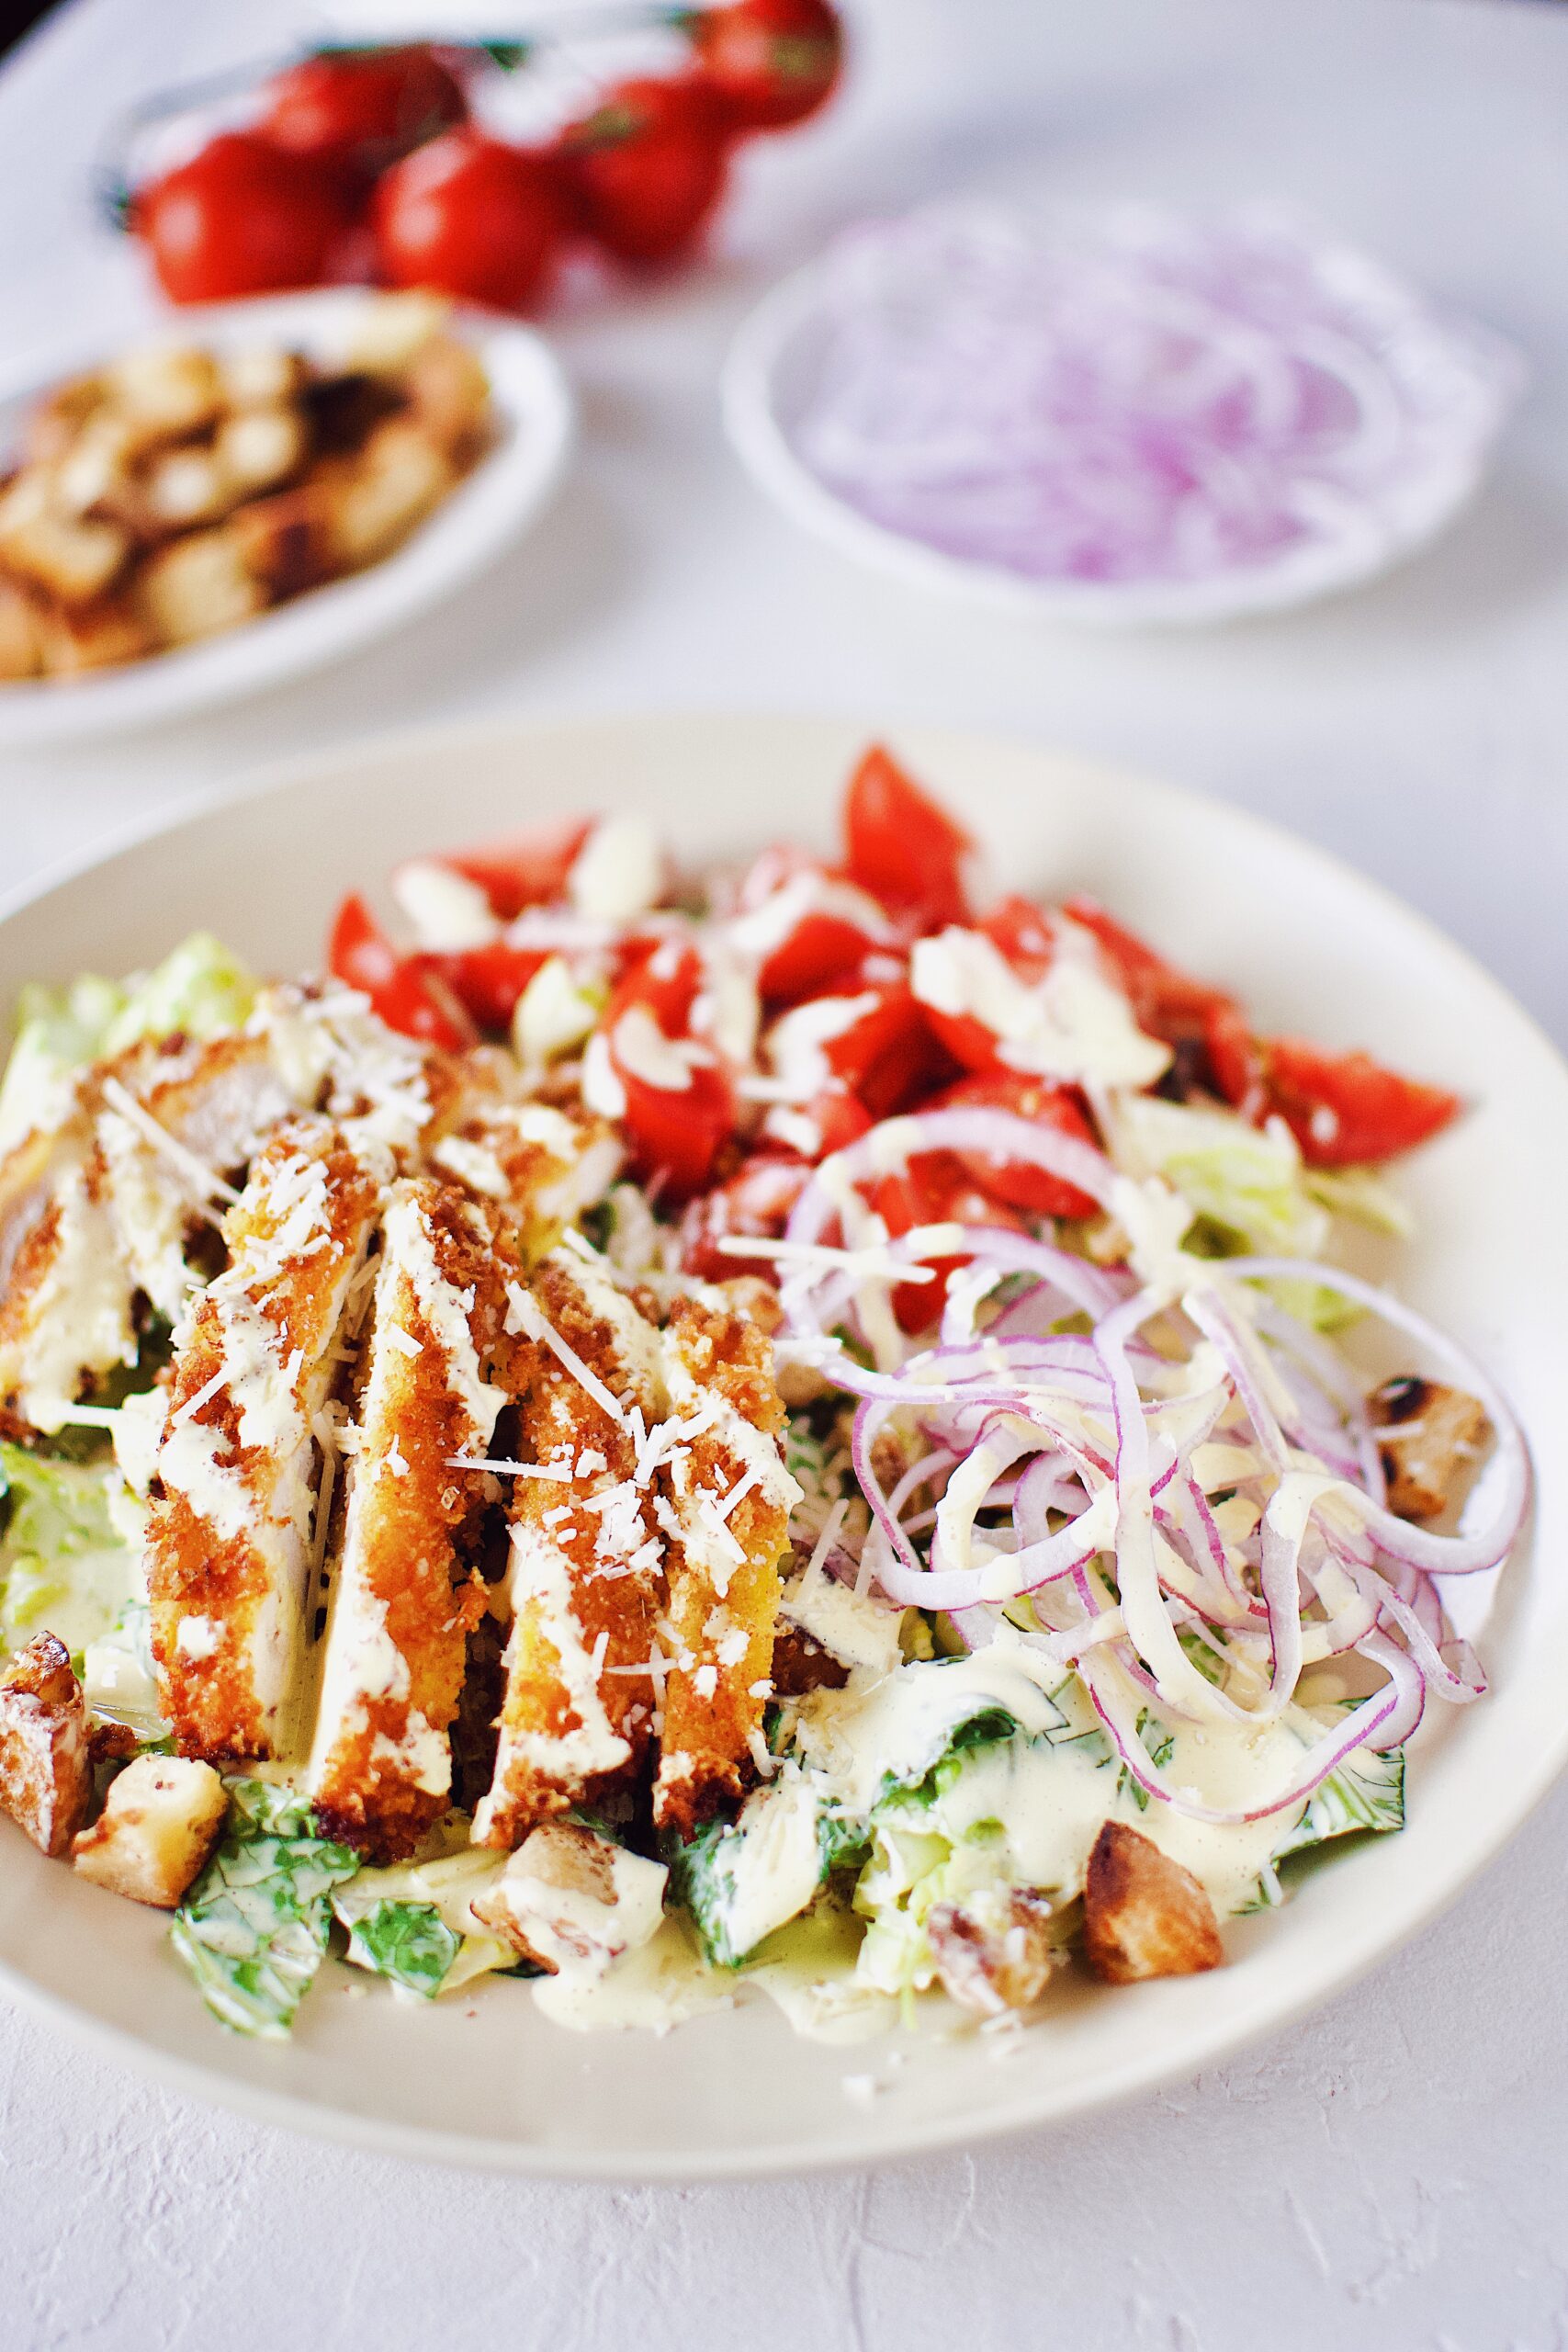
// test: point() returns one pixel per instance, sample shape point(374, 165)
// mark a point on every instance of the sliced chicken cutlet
point(726, 1508)
point(543, 1164)
point(400, 1602)
point(585, 1574)
point(66, 1309)
point(229, 1536)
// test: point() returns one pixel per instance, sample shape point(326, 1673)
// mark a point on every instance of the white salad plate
point(495, 502)
point(483, 2078)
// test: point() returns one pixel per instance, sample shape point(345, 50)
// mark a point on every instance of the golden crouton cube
point(161, 1820)
point(378, 498)
point(996, 1954)
point(1143, 1914)
point(21, 649)
point(53, 426)
point(392, 330)
point(95, 636)
point(449, 393)
point(258, 449)
point(1432, 1441)
point(186, 486)
point(46, 1766)
point(260, 376)
point(166, 392)
point(286, 541)
point(71, 559)
point(198, 586)
point(95, 474)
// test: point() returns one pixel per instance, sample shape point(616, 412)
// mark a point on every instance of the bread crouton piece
point(261, 375)
point(374, 500)
point(570, 1899)
point(54, 424)
point(71, 559)
point(183, 487)
point(449, 393)
point(286, 541)
point(167, 391)
point(259, 448)
point(46, 1764)
point(93, 637)
point(997, 1953)
point(1143, 1914)
point(400, 1599)
point(1432, 1439)
point(162, 1818)
point(21, 639)
point(234, 1518)
point(586, 1572)
point(726, 1508)
point(198, 586)
point(393, 329)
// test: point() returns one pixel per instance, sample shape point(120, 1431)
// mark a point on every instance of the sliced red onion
point(997, 1135)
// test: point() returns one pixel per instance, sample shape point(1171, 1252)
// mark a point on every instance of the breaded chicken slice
point(545, 1165)
point(228, 1533)
point(586, 1572)
point(726, 1508)
point(67, 1300)
point(401, 1602)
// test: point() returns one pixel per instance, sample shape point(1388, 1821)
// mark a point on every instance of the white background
point(1393, 2173)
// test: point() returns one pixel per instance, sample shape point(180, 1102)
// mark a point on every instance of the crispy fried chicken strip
point(726, 1508)
point(543, 1164)
point(229, 1535)
point(401, 1604)
point(586, 1565)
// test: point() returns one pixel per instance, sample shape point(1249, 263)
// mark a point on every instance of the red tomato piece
point(243, 217)
point(772, 62)
point(821, 951)
point(889, 1055)
point(901, 846)
point(364, 108)
point(1018, 1184)
point(676, 1133)
point(934, 1189)
point(837, 1117)
point(399, 987)
point(471, 217)
point(528, 872)
point(1167, 1002)
point(646, 170)
point(1344, 1108)
point(1236, 1062)
point(1023, 931)
point(756, 1201)
point(486, 981)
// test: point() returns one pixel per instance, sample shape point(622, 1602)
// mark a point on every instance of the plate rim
point(1038, 2109)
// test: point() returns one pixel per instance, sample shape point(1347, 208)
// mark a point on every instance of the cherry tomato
point(646, 168)
point(1343, 1108)
point(756, 1201)
point(901, 847)
point(486, 981)
point(243, 217)
point(399, 987)
point(1020, 1183)
point(528, 872)
point(772, 62)
point(364, 108)
point(471, 217)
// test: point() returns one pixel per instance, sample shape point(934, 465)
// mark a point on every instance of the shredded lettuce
point(253, 1929)
point(409, 1942)
point(69, 1558)
point(1248, 1180)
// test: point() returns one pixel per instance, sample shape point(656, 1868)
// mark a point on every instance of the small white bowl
point(502, 497)
point(772, 369)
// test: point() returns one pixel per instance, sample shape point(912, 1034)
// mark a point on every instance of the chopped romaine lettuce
point(409, 1942)
point(253, 1930)
point(119, 1680)
point(1366, 1793)
point(69, 1558)
point(198, 988)
point(442, 1887)
point(1248, 1180)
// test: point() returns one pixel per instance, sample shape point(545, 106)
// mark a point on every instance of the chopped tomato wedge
point(829, 1122)
point(1235, 1063)
point(889, 1056)
point(401, 988)
point(1023, 931)
point(756, 1201)
point(486, 981)
point(676, 1132)
point(1018, 1182)
point(901, 846)
point(822, 950)
point(1166, 1001)
point(528, 872)
point(1343, 1108)
point(934, 1189)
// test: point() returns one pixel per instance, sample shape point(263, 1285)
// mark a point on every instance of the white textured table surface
point(1393, 2173)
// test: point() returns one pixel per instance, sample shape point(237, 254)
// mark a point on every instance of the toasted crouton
point(71, 557)
point(198, 585)
point(286, 541)
point(391, 332)
point(93, 637)
point(260, 376)
point(46, 1766)
point(998, 1954)
point(449, 391)
point(186, 486)
point(377, 498)
point(166, 391)
point(258, 449)
point(162, 1818)
point(1432, 1439)
point(1143, 1914)
point(571, 1898)
point(21, 644)
point(53, 426)
point(95, 472)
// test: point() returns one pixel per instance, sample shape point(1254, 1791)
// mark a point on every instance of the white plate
point(488, 2081)
point(492, 505)
point(771, 372)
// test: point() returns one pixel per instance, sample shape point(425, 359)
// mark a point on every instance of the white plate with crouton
point(486, 2079)
point(254, 490)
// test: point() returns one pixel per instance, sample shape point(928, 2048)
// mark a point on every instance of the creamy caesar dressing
point(807, 1969)
point(657, 1986)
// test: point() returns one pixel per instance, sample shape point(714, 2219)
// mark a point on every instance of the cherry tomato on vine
point(243, 217)
point(365, 107)
point(646, 168)
point(471, 217)
point(772, 62)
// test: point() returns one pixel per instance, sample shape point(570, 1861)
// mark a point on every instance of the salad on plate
point(793, 1427)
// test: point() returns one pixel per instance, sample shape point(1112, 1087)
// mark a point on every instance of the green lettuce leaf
point(1247, 1181)
point(1366, 1793)
point(409, 1942)
point(253, 1930)
point(70, 1556)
